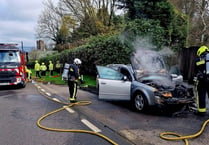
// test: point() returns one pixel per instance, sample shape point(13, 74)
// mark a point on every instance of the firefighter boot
point(72, 100)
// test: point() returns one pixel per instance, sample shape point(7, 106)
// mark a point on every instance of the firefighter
point(202, 81)
point(73, 77)
point(43, 69)
point(51, 68)
point(37, 69)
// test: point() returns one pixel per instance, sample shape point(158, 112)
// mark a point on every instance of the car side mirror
point(125, 78)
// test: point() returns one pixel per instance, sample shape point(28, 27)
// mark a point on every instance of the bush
point(100, 50)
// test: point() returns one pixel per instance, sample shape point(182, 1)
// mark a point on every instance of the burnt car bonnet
point(158, 81)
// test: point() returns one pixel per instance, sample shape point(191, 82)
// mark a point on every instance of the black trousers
point(43, 73)
point(72, 89)
point(203, 89)
point(51, 72)
point(38, 74)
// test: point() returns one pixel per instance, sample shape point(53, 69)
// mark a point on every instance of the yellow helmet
point(202, 49)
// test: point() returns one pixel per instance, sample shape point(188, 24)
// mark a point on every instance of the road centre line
point(8, 95)
point(55, 99)
point(90, 125)
point(69, 109)
point(48, 94)
point(42, 90)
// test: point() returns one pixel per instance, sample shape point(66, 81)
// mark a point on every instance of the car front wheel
point(140, 102)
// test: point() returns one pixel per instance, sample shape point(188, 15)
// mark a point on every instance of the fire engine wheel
point(22, 84)
point(140, 102)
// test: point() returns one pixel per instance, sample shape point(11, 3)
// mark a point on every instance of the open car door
point(112, 84)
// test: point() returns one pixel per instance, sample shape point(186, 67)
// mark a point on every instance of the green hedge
point(100, 50)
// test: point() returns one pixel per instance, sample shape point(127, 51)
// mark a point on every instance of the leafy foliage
point(100, 50)
point(144, 28)
point(172, 25)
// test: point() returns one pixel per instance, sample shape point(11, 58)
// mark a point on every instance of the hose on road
point(79, 103)
point(167, 135)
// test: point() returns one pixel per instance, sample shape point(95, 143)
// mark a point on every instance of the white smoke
point(147, 57)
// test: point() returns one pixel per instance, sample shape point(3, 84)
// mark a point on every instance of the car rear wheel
point(140, 102)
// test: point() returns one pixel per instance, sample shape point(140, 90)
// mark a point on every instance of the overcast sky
point(18, 19)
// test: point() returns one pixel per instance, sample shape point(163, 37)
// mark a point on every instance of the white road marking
point(69, 109)
point(6, 95)
point(48, 94)
point(55, 99)
point(42, 90)
point(90, 125)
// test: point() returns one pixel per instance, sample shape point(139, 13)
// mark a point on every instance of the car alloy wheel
point(140, 102)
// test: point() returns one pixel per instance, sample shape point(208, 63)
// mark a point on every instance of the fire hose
point(176, 136)
point(165, 135)
point(79, 103)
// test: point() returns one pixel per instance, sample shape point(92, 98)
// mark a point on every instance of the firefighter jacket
point(200, 68)
point(51, 66)
point(37, 66)
point(73, 73)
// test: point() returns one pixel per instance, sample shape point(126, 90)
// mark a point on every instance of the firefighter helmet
point(202, 49)
point(77, 61)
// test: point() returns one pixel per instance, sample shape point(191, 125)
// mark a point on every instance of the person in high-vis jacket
point(43, 69)
point(37, 69)
point(202, 79)
point(51, 68)
point(73, 78)
point(58, 67)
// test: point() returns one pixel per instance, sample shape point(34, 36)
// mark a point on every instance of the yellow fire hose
point(167, 135)
point(184, 138)
point(80, 103)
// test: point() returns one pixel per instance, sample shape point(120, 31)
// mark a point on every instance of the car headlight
point(167, 94)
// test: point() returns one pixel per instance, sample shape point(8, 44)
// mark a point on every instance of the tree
point(202, 11)
point(173, 23)
point(148, 31)
point(197, 12)
point(67, 25)
point(93, 16)
point(49, 23)
point(72, 20)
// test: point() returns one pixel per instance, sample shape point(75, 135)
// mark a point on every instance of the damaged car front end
point(150, 69)
point(143, 85)
point(168, 93)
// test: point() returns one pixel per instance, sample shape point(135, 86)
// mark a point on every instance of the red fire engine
point(12, 65)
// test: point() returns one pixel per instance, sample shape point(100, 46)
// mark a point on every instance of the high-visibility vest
point(58, 65)
point(51, 66)
point(43, 67)
point(37, 67)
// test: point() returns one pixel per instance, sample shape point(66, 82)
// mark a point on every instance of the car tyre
point(140, 102)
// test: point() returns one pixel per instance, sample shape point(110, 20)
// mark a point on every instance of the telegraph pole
point(22, 45)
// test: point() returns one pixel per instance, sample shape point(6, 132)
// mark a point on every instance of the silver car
point(144, 89)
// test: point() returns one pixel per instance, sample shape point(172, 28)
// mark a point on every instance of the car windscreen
point(148, 62)
point(8, 56)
